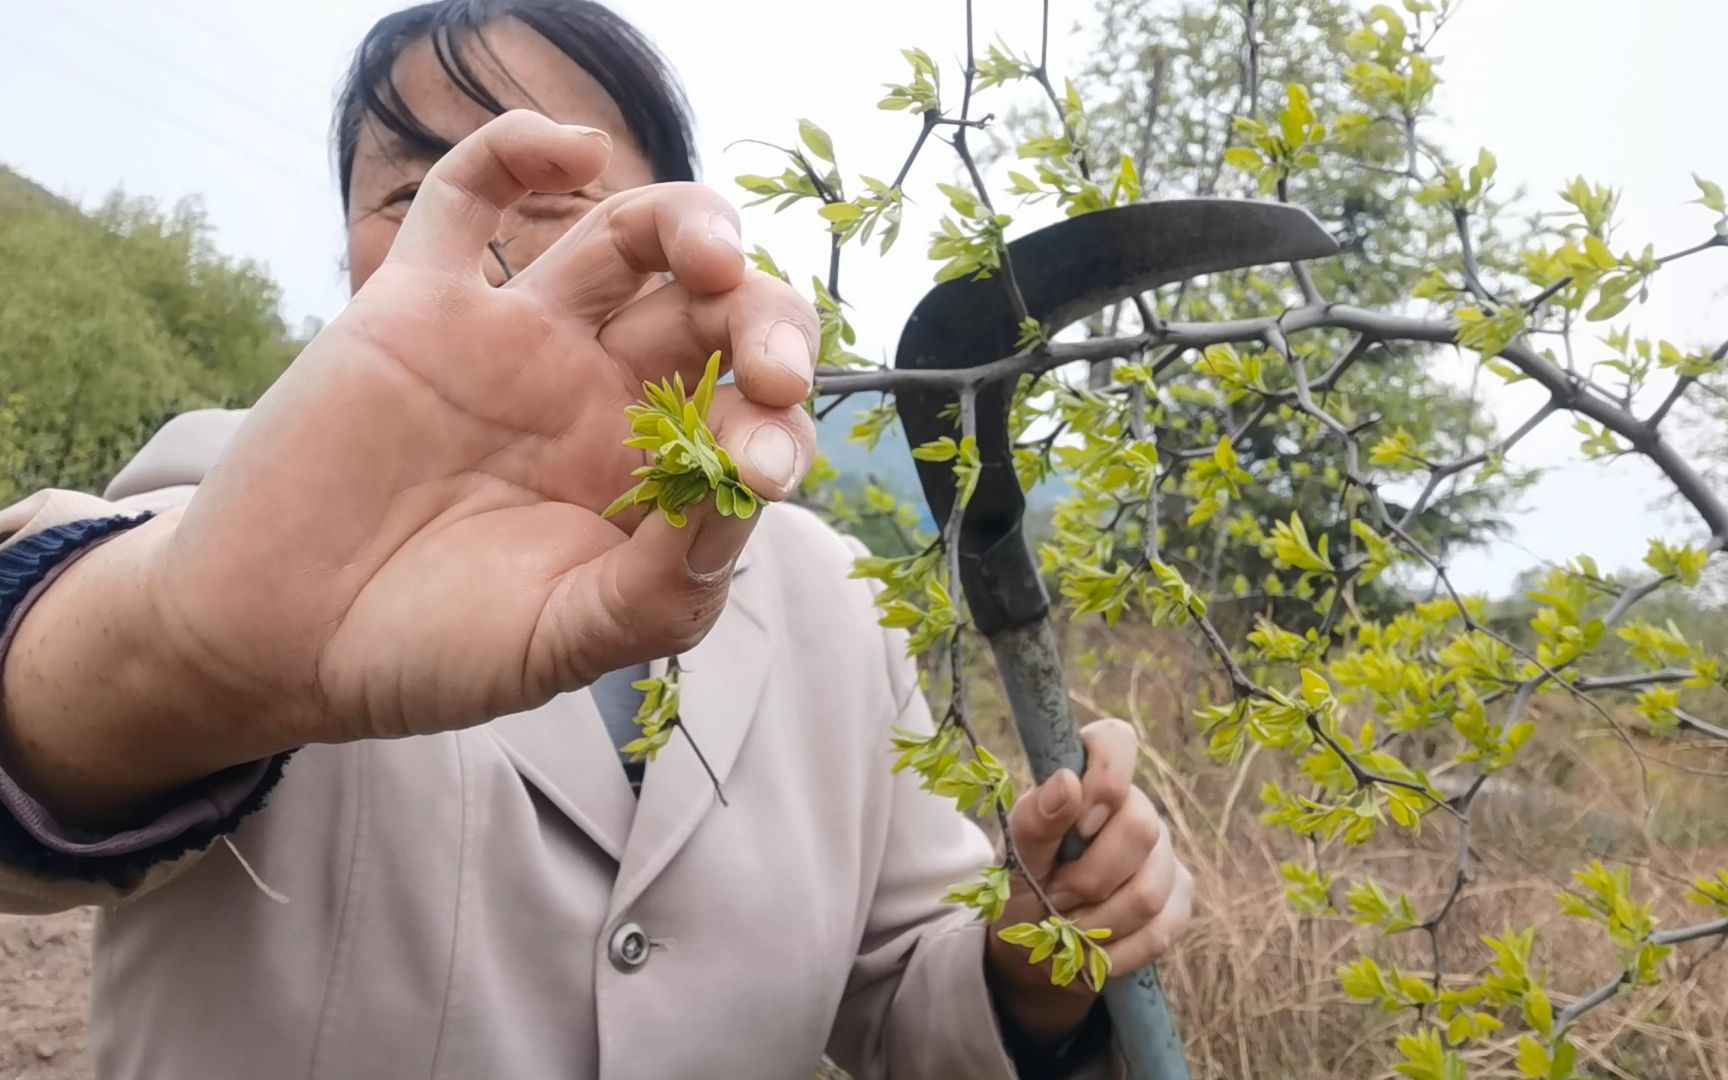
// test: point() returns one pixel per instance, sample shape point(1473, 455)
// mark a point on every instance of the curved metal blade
point(1066, 272)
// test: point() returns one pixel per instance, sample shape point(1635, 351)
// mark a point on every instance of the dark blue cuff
point(28, 563)
point(188, 819)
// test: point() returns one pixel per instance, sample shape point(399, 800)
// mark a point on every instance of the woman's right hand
point(405, 534)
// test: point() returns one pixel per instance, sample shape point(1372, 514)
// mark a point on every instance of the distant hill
point(891, 466)
point(112, 321)
point(890, 462)
point(18, 192)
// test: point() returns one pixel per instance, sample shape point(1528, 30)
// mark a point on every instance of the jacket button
point(628, 949)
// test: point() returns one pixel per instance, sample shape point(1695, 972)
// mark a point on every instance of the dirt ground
point(44, 989)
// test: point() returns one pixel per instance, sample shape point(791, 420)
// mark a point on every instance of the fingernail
point(1093, 821)
point(1053, 799)
point(773, 451)
point(721, 228)
point(787, 346)
point(716, 545)
point(590, 133)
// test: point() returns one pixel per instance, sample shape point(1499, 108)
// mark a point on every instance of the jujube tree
point(1250, 414)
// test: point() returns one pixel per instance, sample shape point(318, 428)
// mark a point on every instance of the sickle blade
point(1066, 272)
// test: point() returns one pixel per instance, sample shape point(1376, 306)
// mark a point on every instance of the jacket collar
point(723, 679)
point(564, 750)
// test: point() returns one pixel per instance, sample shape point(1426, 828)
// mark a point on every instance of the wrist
point(103, 706)
point(1046, 1016)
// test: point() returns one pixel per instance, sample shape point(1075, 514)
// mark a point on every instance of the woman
point(394, 569)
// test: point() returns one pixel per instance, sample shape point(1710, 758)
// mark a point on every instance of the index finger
point(460, 203)
point(601, 263)
point(1112, 754)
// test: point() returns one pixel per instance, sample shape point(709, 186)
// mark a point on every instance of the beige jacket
point(459, 905)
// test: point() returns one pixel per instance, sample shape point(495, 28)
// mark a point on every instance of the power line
point(216, 33)
point(215, 138)
point(222, 90)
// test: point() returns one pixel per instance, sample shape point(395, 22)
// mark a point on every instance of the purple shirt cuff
point(201, 807)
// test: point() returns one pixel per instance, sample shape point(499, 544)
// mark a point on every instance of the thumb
point(1040, 820)
point(656, 594)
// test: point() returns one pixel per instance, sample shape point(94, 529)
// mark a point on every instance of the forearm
point(103, 715)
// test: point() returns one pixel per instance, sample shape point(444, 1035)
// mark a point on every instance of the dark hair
point(615, 53)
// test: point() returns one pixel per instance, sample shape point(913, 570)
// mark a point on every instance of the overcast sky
point(229, 102)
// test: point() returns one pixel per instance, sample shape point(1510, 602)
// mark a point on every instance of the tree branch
point(1570, 1014)
point(1680, 386)
point(1472, 270)
point(1564, 391)
point(1042, 75)
point(1441, 472)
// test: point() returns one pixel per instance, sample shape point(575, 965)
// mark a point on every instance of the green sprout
point(688, 462)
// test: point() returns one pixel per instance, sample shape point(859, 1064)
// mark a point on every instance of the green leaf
point(1538, 1012)
point(840, 212)
point(1608, 306)
point(943, 449)
point(1598, 254)
point(1533, 1058)
point(1023, 934)
point(686, 462)
point(760, 185)
point(1245, 158)
point(1565, 1060)
point(1711, 196)
point(1097, 968)
point(817, 140)
point(1315, 690)
point(705, 387)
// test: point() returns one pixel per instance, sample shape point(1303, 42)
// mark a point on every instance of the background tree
point(112, 322)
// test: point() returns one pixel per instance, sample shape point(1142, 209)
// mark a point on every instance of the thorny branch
point(1569, 1015)
point(1042, 74)
point(1012, 283)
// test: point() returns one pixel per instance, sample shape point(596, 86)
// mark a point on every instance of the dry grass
point(1254, 983)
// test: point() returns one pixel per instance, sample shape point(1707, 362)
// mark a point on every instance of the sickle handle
point(1032, 676)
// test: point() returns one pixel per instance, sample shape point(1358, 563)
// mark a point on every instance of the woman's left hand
point(1128, 880)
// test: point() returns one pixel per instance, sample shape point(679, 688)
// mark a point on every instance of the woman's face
point(522, 70)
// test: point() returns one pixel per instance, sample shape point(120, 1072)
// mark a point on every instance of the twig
point(1251, 64)
point(497, 251)
point(1440, 472)
point(677, 722)
point(1692, 723)
point(1015, 296)
point(1366, 777)
point(684, 729)
point(1567, 1016)
point(1042, 75)
point(931, 119)
point(957, 711)
point(1472, 271)
point(1673, 398)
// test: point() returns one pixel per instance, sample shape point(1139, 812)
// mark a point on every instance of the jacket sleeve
point(26, 886)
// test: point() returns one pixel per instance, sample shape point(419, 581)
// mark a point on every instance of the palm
point(417, 503)
point(510, 470)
